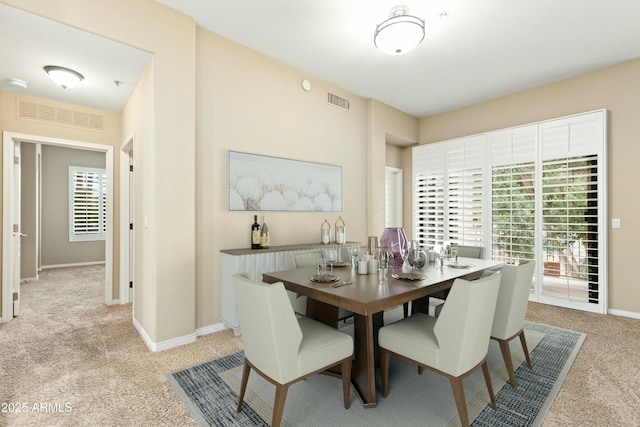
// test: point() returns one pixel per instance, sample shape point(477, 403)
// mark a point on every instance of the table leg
point(322, 312)
point(363, 373)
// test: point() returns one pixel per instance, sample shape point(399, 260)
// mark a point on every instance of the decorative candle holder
point(395, 239)
point(341, 231)
point(372, 245)
point(325, 233)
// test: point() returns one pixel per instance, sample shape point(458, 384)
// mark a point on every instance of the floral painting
point(264, 183)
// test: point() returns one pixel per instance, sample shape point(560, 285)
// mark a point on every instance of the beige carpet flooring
point(69, 360)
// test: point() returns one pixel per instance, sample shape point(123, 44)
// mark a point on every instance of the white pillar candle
point(363, 267)
point(373, 266)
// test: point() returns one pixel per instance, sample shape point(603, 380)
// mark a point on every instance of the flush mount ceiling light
point(400, 33)
point(63, 77)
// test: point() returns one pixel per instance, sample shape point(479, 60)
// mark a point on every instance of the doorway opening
point(11, 218)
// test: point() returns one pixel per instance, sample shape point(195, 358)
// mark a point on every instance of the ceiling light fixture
point(400, 33)
point(64, 77)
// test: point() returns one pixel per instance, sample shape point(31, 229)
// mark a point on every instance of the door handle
point(23, 235)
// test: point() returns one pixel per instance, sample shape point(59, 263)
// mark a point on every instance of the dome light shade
point(64, 77)
point(400, 33)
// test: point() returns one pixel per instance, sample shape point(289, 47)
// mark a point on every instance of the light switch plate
point(615, 223)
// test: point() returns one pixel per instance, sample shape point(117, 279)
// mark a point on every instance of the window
point(448, 197)
point(87, 203)
point(530, 192)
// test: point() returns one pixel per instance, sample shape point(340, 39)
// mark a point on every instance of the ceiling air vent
point(338, 101)
point(43, 113)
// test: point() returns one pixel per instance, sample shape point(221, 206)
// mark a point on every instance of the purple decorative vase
point(395, 239)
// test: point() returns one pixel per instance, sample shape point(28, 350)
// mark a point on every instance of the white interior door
point(17, 233)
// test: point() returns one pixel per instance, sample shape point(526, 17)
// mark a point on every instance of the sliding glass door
point(538, 192)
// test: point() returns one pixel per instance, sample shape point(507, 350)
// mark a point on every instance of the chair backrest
point(470, 251)
point(515, 285)
point(271, 334)
point(305, 259)
point(464, 324)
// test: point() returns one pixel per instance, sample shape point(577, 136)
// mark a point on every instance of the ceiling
point(478, 51)
point(29, 42)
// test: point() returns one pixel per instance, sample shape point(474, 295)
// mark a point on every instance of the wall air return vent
point(338, 101)
point(43, 113)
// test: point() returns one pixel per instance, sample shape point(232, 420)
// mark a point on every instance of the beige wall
point(248, 102)
point(168, 242)
point(394, 157)
point(137, 126)
point(618, 90)
point(386, 126)
point(245, 102)
point(56, 249)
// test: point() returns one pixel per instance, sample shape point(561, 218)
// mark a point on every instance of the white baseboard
point(176, 342)
point(211, 329)
point(624, 313)
point(164, 345)
point(77, 264)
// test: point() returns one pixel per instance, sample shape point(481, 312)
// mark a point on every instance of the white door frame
point(394, 196)
point(126, 217)
point(8, 139)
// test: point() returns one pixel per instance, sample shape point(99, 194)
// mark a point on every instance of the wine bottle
point(264, 235)
point(255, 233)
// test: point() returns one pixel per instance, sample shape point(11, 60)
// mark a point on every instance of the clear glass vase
point(417, 257)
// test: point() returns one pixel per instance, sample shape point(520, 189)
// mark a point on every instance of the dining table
point(367, 297)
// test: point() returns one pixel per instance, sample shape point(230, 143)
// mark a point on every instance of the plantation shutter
point(512, 154)
point(87, 210)
point(465, 164)
point(448, 191)
point(573, 203)
point(429, 179)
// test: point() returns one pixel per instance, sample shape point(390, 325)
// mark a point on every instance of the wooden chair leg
point(506, 355)
point(487, 379)
point(243, 385)
point(384, 364)
point(278, 404)
point(523, 341)
point(346, 382)
point(461, 402)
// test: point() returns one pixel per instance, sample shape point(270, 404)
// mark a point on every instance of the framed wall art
point(265, 183)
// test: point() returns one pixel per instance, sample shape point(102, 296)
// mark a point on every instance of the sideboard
point(254, 262)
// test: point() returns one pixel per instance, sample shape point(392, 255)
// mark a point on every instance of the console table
point(254, 262)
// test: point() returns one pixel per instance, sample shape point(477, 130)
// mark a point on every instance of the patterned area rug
point(210, 391)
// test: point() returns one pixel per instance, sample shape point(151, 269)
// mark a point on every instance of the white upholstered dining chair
point(284, 349)
point(511, 308)
point(454, 344)
point(299, 302)
point(470, 251)
point(298, 260)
